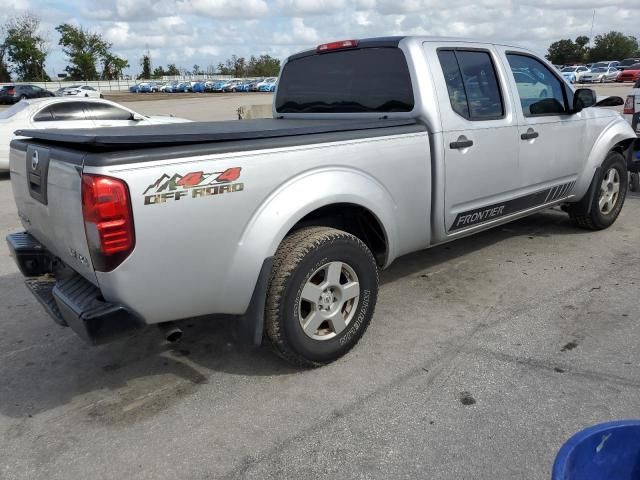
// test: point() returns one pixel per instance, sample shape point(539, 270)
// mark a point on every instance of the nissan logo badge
point(35, 161)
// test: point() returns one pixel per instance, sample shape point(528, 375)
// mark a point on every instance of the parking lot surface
point(483, 356)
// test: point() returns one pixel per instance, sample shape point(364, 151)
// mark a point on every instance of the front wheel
point(321, 296)
point(609, 188)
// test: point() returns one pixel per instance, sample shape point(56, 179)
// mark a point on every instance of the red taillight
point(11, 91)
point(630, 104)
point(108, 221)
point(341, 45)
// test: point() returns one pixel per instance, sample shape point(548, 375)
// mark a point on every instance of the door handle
point(530, 135)
point(462, 142)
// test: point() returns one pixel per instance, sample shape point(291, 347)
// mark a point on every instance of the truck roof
point(394, 41)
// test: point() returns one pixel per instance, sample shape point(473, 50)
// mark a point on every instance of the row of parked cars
point(628, 70)
point(234, 85)
point(10, 94)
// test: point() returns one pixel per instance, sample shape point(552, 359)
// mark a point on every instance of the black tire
point(23, 97)
point(586, 213)
point(634, 181)
point(302, 254)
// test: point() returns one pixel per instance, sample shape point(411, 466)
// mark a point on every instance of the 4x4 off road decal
point(495, 211)
point(193, 185)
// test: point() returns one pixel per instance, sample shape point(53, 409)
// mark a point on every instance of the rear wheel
point(604, 200)
point(321, 296)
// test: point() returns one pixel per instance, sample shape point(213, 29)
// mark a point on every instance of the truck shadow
point(44, 366)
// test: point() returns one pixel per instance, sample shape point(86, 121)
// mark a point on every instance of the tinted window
point(350, 81)
point(68, 111)
point(104, 111)
point(44, 115)
point(540, 91)
point(471, 78)
point(453, 79)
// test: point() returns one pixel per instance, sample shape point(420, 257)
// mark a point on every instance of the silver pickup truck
point(378, 148)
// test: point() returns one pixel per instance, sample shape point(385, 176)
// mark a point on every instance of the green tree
point(158, 72)
point(567, 51)
point(145, 63)
point(613, 46)
point(172, 69)
point(84, 50)
point(26, 48)
point(113, 66)
point(5, 75)
point(263, 66)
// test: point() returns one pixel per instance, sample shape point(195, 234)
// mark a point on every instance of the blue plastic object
point(608, 451)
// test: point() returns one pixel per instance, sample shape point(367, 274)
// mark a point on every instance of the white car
point(266, 81)
point(68, 112)
point(81, 91)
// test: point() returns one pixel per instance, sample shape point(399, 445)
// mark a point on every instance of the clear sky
point(204, 32)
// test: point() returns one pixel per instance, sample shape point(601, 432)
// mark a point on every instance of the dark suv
point(15, 93)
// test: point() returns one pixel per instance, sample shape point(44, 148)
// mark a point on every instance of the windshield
point(10, 112)
point(599, 64)
point(599, 70)
point(348, 81)
point(8, 87)
point(569, 69)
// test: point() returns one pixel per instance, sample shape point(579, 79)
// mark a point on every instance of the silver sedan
point(601, 75)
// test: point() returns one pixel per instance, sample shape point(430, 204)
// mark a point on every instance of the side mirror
point(583, 98)
point(612, 101)
point(136, 118)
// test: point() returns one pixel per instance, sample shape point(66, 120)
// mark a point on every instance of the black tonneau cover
point(205, 132)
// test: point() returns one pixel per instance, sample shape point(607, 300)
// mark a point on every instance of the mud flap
point(250, 326)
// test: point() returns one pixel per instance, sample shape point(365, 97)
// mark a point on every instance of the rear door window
point(350, 81)
point(472, 83)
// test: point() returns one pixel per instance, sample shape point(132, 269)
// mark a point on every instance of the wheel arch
point(617, 136)
point(330, 196)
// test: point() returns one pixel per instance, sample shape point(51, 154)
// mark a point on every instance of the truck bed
point(203, 132)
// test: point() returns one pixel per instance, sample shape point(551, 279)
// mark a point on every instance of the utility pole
point(593, 18)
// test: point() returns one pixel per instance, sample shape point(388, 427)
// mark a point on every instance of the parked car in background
point(168, 86)
point(605, 64)
point(631, 74)
point(627, 62)
point(632, 107)
point(182, 87)
point(232, 86)
point(269, 85)
point(69, 112)
point(264, 82)
point(530, 85)
point(255, 84)
point(600, 75)
point(81, 91)
point(14, 93)
point(572, 74)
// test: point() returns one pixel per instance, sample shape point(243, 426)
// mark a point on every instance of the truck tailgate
point(46, 182)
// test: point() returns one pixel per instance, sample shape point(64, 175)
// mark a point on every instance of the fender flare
point(291, 202)
point(616, 133)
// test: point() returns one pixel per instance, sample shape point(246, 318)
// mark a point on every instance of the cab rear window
point(351, 81)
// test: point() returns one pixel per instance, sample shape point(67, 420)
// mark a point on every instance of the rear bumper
point(68, 297)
